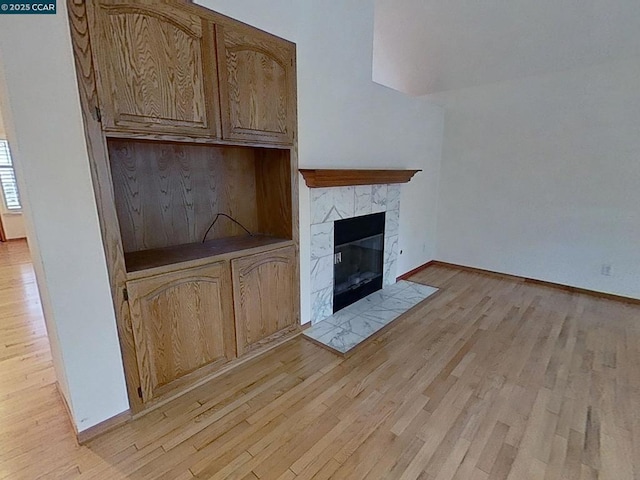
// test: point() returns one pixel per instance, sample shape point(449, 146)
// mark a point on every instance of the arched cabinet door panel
point(257, 85)
point(264, 296)
point(152, 73)
point(181, 321)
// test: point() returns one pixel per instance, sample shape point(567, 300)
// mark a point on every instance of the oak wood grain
point(263, 295)
point(274, 193)
point(221, 248)
point(151, 64)
point(319, 178)
point(181, 321)
point(257, 85)
point(168, 194)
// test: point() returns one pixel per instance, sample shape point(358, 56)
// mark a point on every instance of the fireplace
point(328, 206)
point(358, 260)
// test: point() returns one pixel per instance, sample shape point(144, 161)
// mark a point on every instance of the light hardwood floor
point(489, 379)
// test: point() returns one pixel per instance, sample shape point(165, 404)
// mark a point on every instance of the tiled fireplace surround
point(336, 203)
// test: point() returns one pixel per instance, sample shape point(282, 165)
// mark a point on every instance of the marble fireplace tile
point(362, 326)
point(390, 259)
point(390, 272)
point(390, 248)
point(319, 329)
point(331, 204)
point(321, 240)
point(378, 198)
point(321, 273)
point(366, 303)
point(341, 339)
point(362, 200)
point(391, 223)
point(394, 288)
point(321, 304)
point(321, 204)
point(393, 197)
point(346, 329)
point(415, 295)
point(344, 202)
point(387, 311)
point(420, 289)
point(340, 317)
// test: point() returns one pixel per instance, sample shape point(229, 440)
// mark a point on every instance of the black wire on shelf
point(218, 215)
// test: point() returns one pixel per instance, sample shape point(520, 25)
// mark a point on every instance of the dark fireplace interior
point(358, 258)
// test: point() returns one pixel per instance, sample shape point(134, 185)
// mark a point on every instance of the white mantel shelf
point(320, 178)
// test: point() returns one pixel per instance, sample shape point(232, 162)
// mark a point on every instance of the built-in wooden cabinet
point(168, 67)
point(189, 114)
point(155, 71)
point(181, 321)
point(264, 295)
point(257, 91)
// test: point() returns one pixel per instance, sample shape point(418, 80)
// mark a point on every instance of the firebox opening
point(358, 258)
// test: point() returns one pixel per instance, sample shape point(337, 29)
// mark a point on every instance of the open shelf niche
point(168, 193)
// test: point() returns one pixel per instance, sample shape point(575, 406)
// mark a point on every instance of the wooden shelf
point(317, 178)
point(122, 134)
point(160, 257)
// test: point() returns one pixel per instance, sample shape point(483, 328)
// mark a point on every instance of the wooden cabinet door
point(257, 85)
point(151, 71)
point(264, 295)
point(181, 321)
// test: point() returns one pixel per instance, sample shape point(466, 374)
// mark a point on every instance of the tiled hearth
point(336, 203)
point(352, 325)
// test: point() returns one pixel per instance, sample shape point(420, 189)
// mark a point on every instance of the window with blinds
point(8, 178)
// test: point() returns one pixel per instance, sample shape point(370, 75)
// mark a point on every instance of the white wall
point(428, 46)
point(346, 120)
point(541, 178)
point(52, 332)
point(43, 121)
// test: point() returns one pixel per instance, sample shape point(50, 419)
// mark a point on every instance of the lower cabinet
point(181, 321)
point(188, 323)
point(264, 296)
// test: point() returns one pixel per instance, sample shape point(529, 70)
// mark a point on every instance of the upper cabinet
point(155, 74)
point(172, 68)
point(257, 85)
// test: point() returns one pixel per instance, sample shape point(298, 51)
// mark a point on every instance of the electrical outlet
point(605, 269)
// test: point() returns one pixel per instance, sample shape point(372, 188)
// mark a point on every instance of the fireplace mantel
point(320, 178)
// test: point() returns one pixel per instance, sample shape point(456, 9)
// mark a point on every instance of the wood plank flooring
point(490, 378)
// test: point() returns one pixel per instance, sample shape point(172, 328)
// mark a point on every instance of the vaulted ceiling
point(428, 46)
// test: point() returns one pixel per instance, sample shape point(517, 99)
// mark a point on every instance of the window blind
point(8, 178)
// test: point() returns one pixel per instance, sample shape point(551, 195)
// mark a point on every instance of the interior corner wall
point(44, 125)
point(52, 332)
point(345, 120)
point(541, 178)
